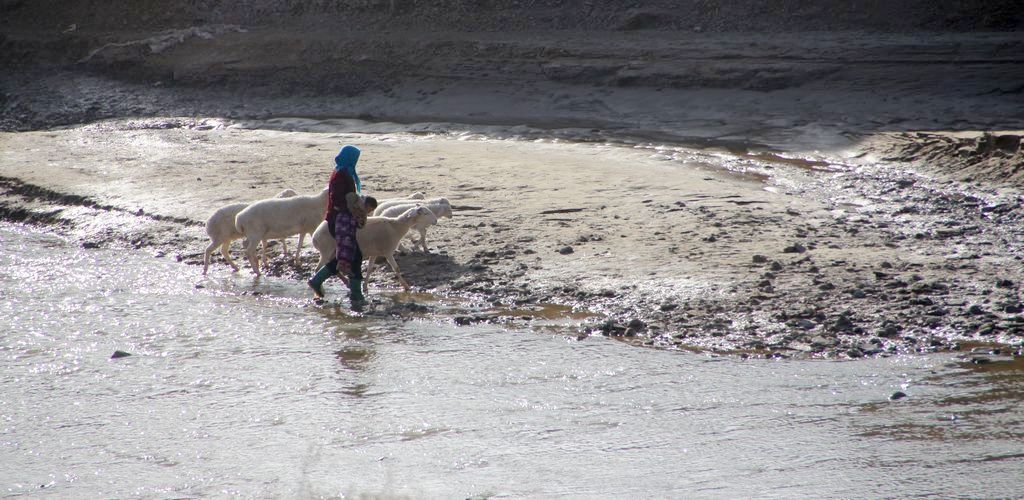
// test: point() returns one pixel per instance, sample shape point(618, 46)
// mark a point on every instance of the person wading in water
point(346, 212)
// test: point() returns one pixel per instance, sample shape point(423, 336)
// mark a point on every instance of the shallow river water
point(243, 388)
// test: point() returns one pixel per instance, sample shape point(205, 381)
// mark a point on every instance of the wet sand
point(742, 251)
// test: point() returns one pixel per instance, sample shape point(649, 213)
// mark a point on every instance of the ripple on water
point(428, 409)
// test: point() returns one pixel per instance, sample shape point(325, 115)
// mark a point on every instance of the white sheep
point(276, 218)
point(384, 204)
point(440, 206)
point(220, 227)
point(378, 238)
point(325, 244)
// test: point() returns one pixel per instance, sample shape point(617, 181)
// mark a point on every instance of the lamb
point(280, 218)
point(220, 227)
point(440, 206)
point(378, 238)
point(384, 204)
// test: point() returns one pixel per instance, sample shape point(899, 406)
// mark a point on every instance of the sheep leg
point(284, 247)
point(225, 250)
point(298, 249)
point(369, 270)
point(206, 256)
point(394, 265)
point(423, 240)
point(250, 253)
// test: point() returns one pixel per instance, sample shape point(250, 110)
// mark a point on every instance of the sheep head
point(424, 214)
point(445, 211)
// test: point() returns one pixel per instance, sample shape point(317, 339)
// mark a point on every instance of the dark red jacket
point(340, 185)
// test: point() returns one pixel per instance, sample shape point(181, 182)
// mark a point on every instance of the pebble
point(795, 248)
point(566, 250)
point(897, 396)
point(805, 324)
point(824, 341)
point(888, 330)
point(843, 322)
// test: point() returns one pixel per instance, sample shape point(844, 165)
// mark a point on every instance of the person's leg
point(317, 281)
point(345, 241)
point(356, 281)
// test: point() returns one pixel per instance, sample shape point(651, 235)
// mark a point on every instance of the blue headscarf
point(346, 162)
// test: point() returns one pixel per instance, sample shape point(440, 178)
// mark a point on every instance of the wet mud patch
point(91, 223)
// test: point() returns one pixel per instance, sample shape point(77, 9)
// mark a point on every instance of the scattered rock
point(795, 248)
point(889, 330)
point(566, 250)
point(824, 342)
point(843, 323)
point(897, 396)
point(802, 323)
point(120, 354)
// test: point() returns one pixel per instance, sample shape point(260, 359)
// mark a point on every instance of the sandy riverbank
point(671, 246)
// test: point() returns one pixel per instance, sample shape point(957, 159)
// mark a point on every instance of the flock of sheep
point(289, 214)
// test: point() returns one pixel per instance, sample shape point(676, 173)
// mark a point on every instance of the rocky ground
point(847, 193)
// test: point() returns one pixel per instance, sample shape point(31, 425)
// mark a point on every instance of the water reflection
point(410, 405)
point(975, 401)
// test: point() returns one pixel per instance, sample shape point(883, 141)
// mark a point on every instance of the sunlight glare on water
point(230, 392)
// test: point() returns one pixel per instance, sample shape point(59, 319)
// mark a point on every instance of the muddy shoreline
point(820, 259)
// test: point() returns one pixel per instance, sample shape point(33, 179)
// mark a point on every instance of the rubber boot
point(318, 279)
point(355, 288)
